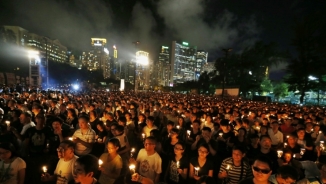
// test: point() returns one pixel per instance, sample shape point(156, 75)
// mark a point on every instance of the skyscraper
point(183, 62)
point(201, 60)
point(98, 57)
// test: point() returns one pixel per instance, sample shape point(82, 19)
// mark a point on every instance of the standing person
point(201, 165)
point(84, 137)
point(262, 170)
point(234, 169)
point(112, 163)
point(84, 170)
point(149, 126)
point(177, 170)
point(12, 169)
point(63, 171)
point(149, 161)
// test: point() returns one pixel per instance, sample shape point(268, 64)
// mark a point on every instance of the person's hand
point(45, 177)
point(223, 174)
point(207, 138)
point(180, 171)
point(197, 138)
point(135, 177)
point(196, 177)
point(76, 139)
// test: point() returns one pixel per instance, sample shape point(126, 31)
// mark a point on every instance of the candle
point(70, 138)
point(294, 156)
point(132, 169)
point(45, 169)
point(279, 153)
point(220, 134)
point(287, 136)
point(178, 127)
point(178, 164)
point(191, 126)
point(228, 167)
point(196, 171)
point(302, 151)
point(8, 123)
point(319, 132)
point(143, 135)
point(132, 152)
point(100, 162)
point(285, 144)
point(188, 132)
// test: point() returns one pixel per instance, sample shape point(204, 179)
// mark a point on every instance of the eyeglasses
point(264, 171)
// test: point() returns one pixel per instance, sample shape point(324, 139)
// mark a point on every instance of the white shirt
point(276, 138)
point(64, 170)
point(9, 171)
point(147, 130)
point(89, 137)
point(149, 166)
point(27, 126)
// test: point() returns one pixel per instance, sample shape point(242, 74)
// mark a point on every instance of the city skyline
point(211, 25)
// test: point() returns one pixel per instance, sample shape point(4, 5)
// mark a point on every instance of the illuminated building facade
point(53, 48)
point(183, 62)
point(164, 67)
point(201, 60)
point(142, 70)
point(98, 57)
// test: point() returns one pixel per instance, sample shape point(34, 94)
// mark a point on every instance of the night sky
point(209, 24)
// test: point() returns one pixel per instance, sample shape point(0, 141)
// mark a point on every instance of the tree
point(248, 69)
point(203, 82)
point(280, 90)
point(266, 86)
point(309, 42)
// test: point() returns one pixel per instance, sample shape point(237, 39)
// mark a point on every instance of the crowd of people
point(127, 137)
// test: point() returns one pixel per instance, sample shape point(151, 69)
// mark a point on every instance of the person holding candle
point(201, 165)
point(168, 145)
point(287, 159)
point(235, 168)
point(84, 137)
point(148, 161)
point(12, 170)
point(177, 169)
point(112, 163)
point(63, 171)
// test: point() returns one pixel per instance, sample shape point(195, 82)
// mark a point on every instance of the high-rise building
point(54, 50)
point(201, 60)
point(208, 67)
point(98, 57)
point(164, 68)
point(183, 61)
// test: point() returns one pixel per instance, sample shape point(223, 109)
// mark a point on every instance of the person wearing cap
point(275, 135)
point(13, 167)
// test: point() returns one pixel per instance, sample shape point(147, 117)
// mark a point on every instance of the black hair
point(85, 118)
point(27, 114)
point(89, 163)
point(240, 148)
point(94, 112)
point(157, 134)
point(8, 146)
point(123, 119)
point(264, 136)
point(57, 119)
point(170, 123)
point(177, 131)
point(69, 143)
point(287, 171)
point(207, 129)
point(151, 118)
point(196, 121)
point(205, 145)
point(152, 138)
point(266, 160)
point(115, 141)
point(120, 128)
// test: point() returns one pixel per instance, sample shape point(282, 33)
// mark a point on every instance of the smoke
point(185, 20)
point(72, 22)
